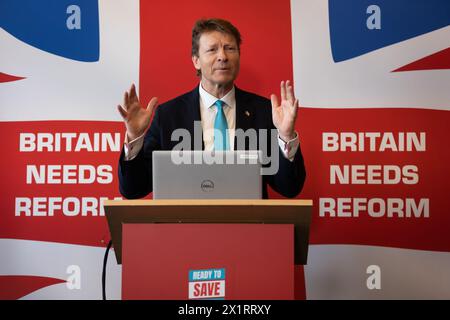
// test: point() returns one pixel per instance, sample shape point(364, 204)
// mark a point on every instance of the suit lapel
point(192, 116)
point(244, 114)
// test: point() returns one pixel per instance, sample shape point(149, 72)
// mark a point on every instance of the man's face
point(218, 58)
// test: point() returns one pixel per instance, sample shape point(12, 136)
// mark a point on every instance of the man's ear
point(195, 61)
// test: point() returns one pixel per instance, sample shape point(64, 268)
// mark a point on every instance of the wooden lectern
point(209, 249)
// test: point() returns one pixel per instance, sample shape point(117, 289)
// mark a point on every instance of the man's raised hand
point(285, 113)
point(136, 118)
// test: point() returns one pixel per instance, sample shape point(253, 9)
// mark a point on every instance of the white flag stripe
point(49, 259)
point(367, 80)
point(58, 88)
point(340, 272)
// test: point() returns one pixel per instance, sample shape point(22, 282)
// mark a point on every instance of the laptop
point(207, 175)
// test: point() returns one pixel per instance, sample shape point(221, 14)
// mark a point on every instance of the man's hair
point(207, 25)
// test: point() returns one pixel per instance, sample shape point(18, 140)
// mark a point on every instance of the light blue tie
point(220, 128)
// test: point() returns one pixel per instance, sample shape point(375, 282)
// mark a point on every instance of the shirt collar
point(209, 100)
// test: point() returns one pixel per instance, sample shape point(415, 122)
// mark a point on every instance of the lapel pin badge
point(247, 113)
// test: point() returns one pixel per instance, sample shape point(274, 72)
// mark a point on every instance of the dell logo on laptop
point(207, 185)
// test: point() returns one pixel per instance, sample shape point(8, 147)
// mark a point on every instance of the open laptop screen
point(207, 175)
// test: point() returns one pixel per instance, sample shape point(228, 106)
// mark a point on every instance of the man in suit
point(219, 105)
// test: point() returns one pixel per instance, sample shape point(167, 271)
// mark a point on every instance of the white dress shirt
point(208, 111)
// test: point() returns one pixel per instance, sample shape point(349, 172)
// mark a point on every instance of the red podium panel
point(257, 259)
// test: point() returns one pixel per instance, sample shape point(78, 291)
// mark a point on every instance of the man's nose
point(222, 55)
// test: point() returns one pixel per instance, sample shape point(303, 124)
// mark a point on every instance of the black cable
point(105, 260)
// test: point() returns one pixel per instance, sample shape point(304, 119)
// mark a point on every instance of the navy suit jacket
point(252, 111)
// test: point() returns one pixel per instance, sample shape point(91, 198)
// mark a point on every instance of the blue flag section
point(69, 29)
point(359, 27)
